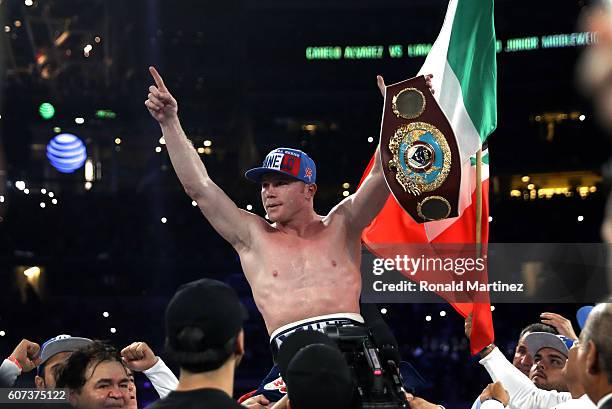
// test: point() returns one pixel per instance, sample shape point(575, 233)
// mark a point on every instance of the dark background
point(239, 72)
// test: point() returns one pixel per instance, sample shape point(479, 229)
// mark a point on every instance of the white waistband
point(346, 315)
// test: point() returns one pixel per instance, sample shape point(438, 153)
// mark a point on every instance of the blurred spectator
point(594, 355)
point(96, 378)
point(55, 352)
point(551, 352)
point(523, 359)
point(204, 335)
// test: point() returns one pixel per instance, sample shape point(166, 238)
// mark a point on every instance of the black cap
point(315, 372)
point(209, 306)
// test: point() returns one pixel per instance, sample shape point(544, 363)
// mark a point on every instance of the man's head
point(96, 378)
point(287, 178)
point(284, 197)
point(53, 354)
point(523, 359)
point(315, 372)
point(549, 358)
point(204, 326)
point(594, 352)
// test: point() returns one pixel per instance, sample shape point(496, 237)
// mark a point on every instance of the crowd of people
point(552, 367)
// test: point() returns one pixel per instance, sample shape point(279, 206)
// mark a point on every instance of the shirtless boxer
point(309, 264)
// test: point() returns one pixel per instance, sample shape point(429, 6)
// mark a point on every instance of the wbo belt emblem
point(421, 157)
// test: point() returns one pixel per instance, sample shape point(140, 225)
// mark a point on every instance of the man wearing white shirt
point(522, 359)
point(523, 392)
point(594, 355)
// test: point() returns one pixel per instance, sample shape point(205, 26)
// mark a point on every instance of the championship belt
point(419, 152)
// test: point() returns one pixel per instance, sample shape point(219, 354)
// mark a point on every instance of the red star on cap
point(308, 173)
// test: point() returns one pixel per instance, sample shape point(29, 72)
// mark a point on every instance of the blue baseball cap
point(60, 343)
point(290, 162)
point(582, 314)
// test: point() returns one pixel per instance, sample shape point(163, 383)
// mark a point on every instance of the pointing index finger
point(158, 79)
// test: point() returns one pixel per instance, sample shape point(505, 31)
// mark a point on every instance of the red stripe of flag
point(393, 225)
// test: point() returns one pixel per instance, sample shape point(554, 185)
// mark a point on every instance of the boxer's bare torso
point(302, 265)
point(297, 277)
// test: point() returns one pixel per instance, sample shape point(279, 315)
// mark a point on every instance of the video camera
point(377, 376)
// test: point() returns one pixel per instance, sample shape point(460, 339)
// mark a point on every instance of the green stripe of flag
point(485, 159)
point(471, 55)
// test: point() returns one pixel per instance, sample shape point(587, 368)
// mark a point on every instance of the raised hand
point(27, 354)
point(560, 323)
point(138, 356)
point(381, 84)
point(428, 78)
point(495, 391)
point(160, 103)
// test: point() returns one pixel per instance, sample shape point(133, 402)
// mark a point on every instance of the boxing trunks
point(273, 387)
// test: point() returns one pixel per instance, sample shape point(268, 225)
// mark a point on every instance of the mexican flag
point(464, 70)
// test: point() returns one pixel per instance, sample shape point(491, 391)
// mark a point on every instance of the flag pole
point(479, 198)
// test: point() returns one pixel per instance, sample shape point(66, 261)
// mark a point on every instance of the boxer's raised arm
point(361, 207)
point(364, 205)
point(232, 223)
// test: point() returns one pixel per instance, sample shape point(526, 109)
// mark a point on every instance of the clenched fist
point(138, 356)
point(26, 353)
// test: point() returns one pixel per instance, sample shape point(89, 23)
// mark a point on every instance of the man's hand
point(467, 328)
point(138, 356)
point(26, 353)
point(428, 78)
point(418, 403)
point(160, 103)
point(380, 81)
point(256, 402)
point(560, 323)
point(381, 84)
point(495, 391)
point(282, 403)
